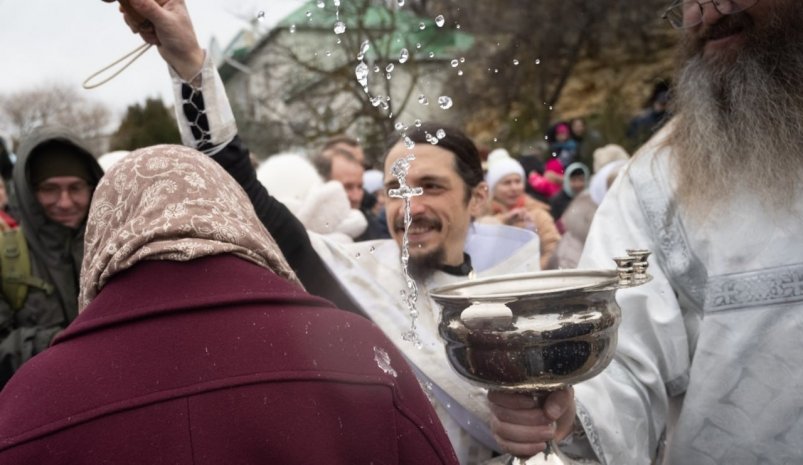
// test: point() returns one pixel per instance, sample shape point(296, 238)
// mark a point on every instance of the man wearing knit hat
point(53, 181)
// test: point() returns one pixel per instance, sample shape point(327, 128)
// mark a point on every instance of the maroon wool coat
point(217, 361)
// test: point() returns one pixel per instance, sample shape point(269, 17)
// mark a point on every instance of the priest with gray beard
point(708, 367)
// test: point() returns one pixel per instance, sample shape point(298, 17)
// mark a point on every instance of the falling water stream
point(406, 193)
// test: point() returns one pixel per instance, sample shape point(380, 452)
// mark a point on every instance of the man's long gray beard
point(740, 122)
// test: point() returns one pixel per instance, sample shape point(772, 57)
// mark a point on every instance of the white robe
point(371, 273)
point(715, 340)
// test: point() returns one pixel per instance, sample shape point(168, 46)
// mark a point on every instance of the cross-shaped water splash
point(406, 193)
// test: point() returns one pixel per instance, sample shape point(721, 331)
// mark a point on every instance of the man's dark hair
point(468, 164)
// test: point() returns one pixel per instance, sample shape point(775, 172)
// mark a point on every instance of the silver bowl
point(536, 331)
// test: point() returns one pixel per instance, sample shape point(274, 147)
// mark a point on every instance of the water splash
point(445, 102)
point(382, 360)
point(440, 21)
point(406, 193)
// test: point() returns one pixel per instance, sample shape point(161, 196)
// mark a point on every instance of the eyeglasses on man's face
point(49, 192)
point(686, 14)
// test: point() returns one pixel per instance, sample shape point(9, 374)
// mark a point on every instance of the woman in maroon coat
point(196, 345)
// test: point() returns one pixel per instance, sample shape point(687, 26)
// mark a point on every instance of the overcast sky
point(44, 41)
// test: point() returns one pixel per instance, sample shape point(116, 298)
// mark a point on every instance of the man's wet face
point(441, 216)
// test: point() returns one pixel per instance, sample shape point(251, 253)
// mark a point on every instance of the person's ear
point(479, 199)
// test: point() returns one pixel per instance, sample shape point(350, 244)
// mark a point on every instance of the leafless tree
point(56, 104)
point(527, 51)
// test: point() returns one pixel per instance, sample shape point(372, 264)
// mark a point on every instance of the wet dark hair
point(467, 161)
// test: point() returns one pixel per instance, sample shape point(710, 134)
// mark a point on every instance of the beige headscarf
point(170, 202)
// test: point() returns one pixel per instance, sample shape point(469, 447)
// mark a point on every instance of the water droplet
point(550, 108)
point(409, 144)
point(496, 70)
point(432, 54)
point(364, 47)
point(261, 16)
point(340, 27)
point(371, 250)
point(418, 46)
point(515, 62)
point(422, 26)
point(440, 21)
point(460, 72)
point(328, 53)
point(388, 76)
point(399, 126)
point(336, 2)
point(422, 99)
point(457, 26)
point(358, 255)
point(389, 68)
point(537, 61)
point(441, 133)
point(377, 68)
point(418, 123)
point(445, 102)
point(400, 3)
point(496, 140)
point(292, 29)
point(375, 101)
point(455, 63)
point(382, 360)
point(362, 74)
point(321, 4)
point(404, 55)
point(308, 14)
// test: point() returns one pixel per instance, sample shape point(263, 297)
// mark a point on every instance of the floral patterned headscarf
point(170, 202)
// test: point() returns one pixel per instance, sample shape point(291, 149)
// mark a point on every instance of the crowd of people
point(188, 306)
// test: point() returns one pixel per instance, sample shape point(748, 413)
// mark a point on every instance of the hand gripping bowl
point(536, 332)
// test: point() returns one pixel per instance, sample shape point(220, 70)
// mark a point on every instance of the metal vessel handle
point(632, 269)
